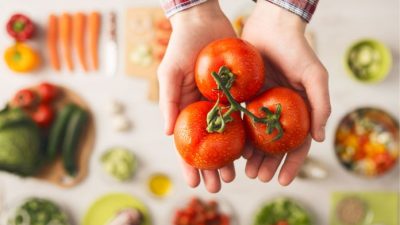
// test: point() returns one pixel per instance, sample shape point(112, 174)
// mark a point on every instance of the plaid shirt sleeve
point(173, 6)
point(303, 8)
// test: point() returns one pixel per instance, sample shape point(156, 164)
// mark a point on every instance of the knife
point(111, 50)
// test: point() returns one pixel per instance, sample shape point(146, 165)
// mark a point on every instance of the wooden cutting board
point(54, 172)
point(141, 30)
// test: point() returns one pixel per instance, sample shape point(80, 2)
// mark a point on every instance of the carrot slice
point(65, 31)
point(94, 33)
point(79, 27)
point(52, 39)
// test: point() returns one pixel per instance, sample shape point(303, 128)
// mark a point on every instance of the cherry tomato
point(294, 119)
point(282, 222)
point(47, 92)
point(43, 115)
point(241, 58)
point(24, 98)
point(204, 150)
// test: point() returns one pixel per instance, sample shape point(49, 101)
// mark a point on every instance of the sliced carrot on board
point(79, 34)
point(52, 41)
point(94, 33)
point(65, 31)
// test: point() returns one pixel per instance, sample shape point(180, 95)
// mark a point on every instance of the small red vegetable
point(43, 115)
point(204, 150)
point(47, 92)
point(20, 27)
point(24, 98)
point(293, 118)
point(242, 62)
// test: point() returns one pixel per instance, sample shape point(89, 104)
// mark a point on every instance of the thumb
point(315, 81)
point(170, 81)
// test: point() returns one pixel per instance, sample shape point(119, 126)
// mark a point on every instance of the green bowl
point(368, 61)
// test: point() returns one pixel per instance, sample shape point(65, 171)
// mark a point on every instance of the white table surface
point(336, 24)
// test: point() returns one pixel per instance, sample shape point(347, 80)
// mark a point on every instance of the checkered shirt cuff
point(174, 6)
point(303, 8)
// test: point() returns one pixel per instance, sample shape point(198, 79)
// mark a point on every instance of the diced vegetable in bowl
point(37, 211)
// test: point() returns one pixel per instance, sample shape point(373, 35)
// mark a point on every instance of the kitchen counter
point(335, 25)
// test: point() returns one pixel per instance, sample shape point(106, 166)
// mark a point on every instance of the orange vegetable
point(52, 40)
point(65, 32)
point(21, 58)
point(79, 27)
point(94, 33)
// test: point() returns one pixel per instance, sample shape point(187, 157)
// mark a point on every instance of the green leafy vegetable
point(282, 209)
point(20, 143)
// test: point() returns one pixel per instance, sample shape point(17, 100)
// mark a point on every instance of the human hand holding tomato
point(279, 36)
point(193, 29)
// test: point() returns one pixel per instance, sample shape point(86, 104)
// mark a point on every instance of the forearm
point(198, 14)
point(275, 16)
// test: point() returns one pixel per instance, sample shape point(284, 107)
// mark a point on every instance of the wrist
point(199, 14)
point(274, 15)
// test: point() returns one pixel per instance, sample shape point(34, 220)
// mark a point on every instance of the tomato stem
point(216, 121)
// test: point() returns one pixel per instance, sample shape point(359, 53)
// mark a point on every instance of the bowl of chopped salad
point(367, 142)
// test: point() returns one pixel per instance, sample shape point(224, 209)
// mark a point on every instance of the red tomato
point(43, 115)
point(224, 220)
point(24, 98)
point(47, 92)
point(282, 222)
point(204, 150)
point(295, 121)
point(243, 60)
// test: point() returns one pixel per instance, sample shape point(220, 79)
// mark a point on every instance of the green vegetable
point(365, 61)
point(58, 130)
point(120, 163)
point(74, 131)
point(37, 211)
point(282, 209)
point(20, 143)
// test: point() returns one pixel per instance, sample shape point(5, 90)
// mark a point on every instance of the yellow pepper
point(21, 58)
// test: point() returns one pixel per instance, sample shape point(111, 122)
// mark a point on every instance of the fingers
point(191, 175)
point(248, 151)
point(269, 166)
point(315, 81)
point(228, 173)
point(253, 164)
point(293, 162)
point(211, 180)
point(170, 88)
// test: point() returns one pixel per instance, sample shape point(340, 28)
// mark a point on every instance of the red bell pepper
point(20, 27)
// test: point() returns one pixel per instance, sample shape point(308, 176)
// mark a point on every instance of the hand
point(193, 29)
point(279, 35)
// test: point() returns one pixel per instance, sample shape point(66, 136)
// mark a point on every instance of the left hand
point(279, 35)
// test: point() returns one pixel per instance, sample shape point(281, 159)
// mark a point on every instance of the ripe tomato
point(24, 98)
point(282, 222)
point(204, 150)
point(295, 121)
point(241, 58)
point(43, 115)
point(47, 92)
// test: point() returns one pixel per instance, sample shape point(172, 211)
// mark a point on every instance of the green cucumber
point(74, 131)
point(58, 130)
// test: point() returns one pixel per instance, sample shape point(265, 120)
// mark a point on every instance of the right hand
point(193, 29)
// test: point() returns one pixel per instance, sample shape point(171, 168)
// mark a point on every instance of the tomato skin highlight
point(204, 150)
point(295, 121)
point(241, 58)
